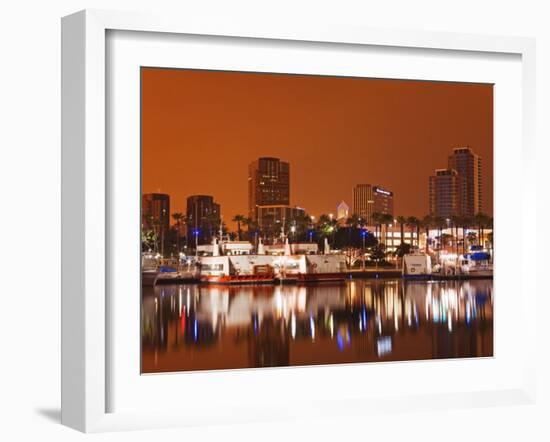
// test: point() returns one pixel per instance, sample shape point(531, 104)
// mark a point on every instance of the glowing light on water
point(340, 341)
point(383, 345)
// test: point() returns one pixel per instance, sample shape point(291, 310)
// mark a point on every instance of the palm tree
point(489, 225)
point(414, 223)
point(456, 222)
point(251, 226)
point(482, 221)
point(377, 220)
point(439, 223)
point(239, 219)
point(179, 218)
point(466, 223)
point(427, 222)
point(327, 226)
point(148, 240)
point(386, 220)
point(352, 222)
point(402, 221)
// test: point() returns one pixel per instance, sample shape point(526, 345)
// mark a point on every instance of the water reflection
point(197, 327)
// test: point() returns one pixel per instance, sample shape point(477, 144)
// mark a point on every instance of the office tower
point(268, 184)
point(383, 201)
point(155, 212)
point(445, 190)
point(468, 166)
point(369, 199)
point(203, 218)
point(155, 217)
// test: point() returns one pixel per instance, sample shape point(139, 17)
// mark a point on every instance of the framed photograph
point(271, 221)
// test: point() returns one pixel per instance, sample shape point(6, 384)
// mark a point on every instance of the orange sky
point(201, 129)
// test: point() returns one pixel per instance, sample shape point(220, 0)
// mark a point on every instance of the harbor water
point(189, 327)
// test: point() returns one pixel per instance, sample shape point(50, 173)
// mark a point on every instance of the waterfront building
point(369, 199)
point(390, 236)
point(268, 184)
point(342, 211)
point(155, 214)
point(203, 218)
point(468, 166)
point(445, 193)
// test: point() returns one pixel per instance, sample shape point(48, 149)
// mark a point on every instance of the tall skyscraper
point(468, 166)
point(203, 218)
point(445, 189)
point(268, 184)
point(155, 212)
point(369, 199)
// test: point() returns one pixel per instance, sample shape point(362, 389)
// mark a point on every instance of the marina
point(295, 231)
point(237, 263)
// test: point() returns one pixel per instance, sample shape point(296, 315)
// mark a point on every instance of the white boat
point(153, 271)
point(237, 269)
point(149, 268)
point(476, 263)
point(280, 266)
point(417, 265)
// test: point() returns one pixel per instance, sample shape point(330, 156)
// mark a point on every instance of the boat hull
point(322, 277)
point(239, 279)
point(149, 278)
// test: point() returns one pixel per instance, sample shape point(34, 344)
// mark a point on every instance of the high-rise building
point(155, 212)
point(342, 211)
point(268, 184)
point(468, 166)
point(155, 217)
point(445, 189)
point(203, 218)
point(363, 201)
point(383, 200)
point(369, 199)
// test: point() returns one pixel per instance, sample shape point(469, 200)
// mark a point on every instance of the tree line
point(351, 233)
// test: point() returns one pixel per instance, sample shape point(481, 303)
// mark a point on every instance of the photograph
point(305, 220)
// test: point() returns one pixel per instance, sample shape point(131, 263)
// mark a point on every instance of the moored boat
point(417, 266)
point(279, 267)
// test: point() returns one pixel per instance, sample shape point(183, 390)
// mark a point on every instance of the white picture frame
point(85, 197)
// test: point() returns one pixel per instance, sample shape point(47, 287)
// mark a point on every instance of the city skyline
point(296, 118)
